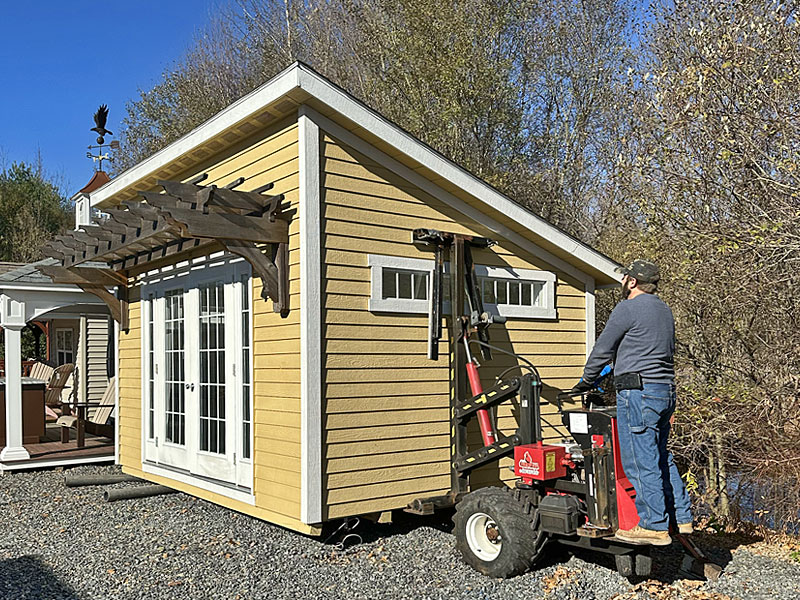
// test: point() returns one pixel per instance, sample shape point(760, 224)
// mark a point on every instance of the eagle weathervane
point(100, 119)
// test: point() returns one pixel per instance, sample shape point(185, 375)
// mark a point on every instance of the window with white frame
point(65, 352)
point(404, 285)
point(399, 284)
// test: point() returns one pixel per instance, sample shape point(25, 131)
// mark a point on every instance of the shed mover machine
point(573, 493)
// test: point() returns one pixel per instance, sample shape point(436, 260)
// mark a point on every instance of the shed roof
point(26, 273)
point(300, 85)
point(5, 267)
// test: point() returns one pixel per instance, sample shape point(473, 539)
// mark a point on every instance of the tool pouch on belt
point(628, 381)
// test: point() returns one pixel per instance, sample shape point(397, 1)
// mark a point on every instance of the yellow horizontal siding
point(269, 156)
point(386, 422)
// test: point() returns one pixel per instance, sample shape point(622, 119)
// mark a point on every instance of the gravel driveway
point(66, 543)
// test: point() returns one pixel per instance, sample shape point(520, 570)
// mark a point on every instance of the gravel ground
point(66, 543)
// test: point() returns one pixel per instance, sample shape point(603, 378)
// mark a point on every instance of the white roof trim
point(300, 76)
point(275, 88)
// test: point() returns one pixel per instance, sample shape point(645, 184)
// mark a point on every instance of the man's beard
point(626, 291)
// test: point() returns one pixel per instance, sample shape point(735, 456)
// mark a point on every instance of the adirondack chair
point(41, 370)
point(59, 391)
point(97, 424)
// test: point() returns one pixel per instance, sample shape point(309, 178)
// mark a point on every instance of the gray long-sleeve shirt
point(638, 338)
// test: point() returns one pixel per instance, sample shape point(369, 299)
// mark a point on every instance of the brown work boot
point(640, 535)
point(685, 528)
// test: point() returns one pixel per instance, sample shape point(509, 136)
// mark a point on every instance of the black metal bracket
point(529, 430)
point(481, 456)
point(438, 242)
point(489, 398)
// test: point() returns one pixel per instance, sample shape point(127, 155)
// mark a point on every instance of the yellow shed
point(272, 342)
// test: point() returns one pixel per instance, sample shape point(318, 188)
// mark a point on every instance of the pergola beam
point(82, 275)
point(186, 216)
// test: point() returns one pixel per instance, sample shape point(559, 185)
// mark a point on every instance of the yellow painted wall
point(386, 417)
point(271, 156)
point(385, 406)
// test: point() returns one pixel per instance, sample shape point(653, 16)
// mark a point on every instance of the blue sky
point(59, 60)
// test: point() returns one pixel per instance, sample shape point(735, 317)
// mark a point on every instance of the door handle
point(190, 387)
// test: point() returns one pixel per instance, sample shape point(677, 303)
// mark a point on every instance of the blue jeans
point(643, 426)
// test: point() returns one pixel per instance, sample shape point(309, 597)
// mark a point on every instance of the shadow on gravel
point(667, 560)
point(402, 524)
point(28, 578)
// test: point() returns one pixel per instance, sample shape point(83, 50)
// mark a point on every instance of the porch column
point(14, 449)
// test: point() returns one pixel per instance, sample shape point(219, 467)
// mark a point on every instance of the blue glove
point(606, 370)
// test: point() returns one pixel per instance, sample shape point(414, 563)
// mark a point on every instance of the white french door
point(196, 370)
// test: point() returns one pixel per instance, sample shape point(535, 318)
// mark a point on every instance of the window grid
point(246, 383)
point(511, 292)
point(151, 375)
point(175, 376)
point(64, 347)
point(212, 368)
point(405, 284)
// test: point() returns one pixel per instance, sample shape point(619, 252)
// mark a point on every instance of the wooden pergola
point(185, 216)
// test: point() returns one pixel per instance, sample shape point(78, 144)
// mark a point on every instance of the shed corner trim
point(310, 217)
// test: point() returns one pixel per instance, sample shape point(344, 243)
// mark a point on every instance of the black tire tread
point(518, 520)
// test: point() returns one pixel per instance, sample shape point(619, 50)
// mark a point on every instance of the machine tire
point(508, 514)
point(643, 564)
point(624, 564)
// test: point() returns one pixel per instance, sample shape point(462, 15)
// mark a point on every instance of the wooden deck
point(50, 452)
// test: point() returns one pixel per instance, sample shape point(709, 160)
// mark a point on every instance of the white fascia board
point(300, 76)
point(275, 88)
point(364, 147)
point(371, 121)
point(49, 289)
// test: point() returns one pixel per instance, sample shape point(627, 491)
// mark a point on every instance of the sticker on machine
point(527, 466)
point(578, 423)
point(550, 462)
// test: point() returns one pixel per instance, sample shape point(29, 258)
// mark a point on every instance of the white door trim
point(233, 272)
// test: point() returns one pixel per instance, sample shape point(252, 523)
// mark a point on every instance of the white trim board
point(590, 316)
point(302, 77)
point(57, 462)
point(204, 484)
point(379, 303)
point(277, 87)
point(310, 215)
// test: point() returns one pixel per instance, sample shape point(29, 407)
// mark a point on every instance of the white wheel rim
point(479, 528)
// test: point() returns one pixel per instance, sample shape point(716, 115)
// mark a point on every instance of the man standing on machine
point(639, 339)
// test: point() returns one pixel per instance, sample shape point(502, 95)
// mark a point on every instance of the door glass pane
point(212, 368)
point(174, 376)
point(246, 366)
point(151, 376)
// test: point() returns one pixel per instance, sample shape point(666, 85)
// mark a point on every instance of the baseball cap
point(643, 270)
